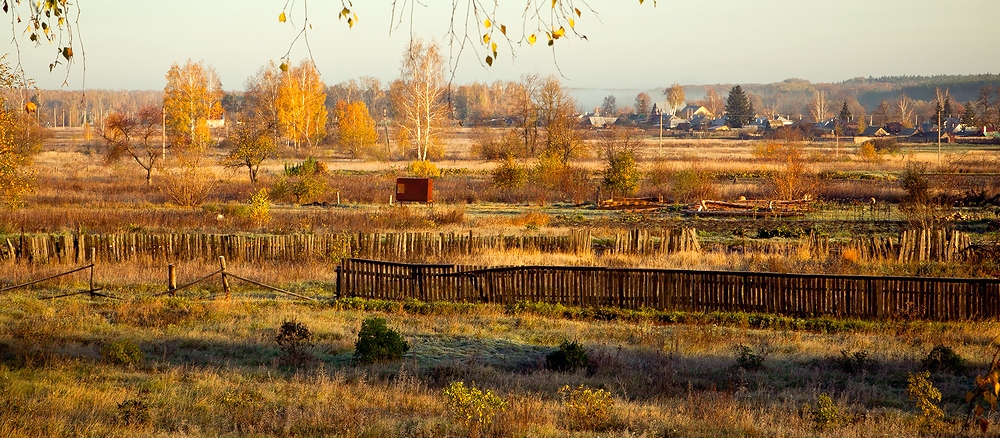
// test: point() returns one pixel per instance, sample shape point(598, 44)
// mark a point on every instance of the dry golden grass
point(211, 368)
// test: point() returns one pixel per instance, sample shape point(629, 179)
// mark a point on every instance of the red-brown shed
point(414, 190)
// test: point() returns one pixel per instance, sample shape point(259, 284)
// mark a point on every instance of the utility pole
point(940, 130)
point(659, 145)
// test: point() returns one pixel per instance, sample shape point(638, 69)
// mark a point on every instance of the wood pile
point(631, 204)
point(752, 207)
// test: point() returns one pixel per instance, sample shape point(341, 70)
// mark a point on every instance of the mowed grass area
point(213, 368)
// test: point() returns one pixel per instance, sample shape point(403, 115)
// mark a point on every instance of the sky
point(131, 45)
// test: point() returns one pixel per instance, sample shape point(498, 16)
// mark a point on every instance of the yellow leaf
point(531, 39)
point(558, 33)
point(553, 4)
point(283, 66)
point(494, 47)
point(282, 18)
point(486, 38)
point(487, 23)
point(572, 23)
point(345, 12)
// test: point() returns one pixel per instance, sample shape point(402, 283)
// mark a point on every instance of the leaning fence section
point(678, 290)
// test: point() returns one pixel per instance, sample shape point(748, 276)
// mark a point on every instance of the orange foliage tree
point(301, 105)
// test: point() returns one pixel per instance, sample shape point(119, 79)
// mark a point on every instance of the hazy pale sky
point(130, 45)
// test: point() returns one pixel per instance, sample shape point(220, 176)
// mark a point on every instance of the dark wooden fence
point(678, 290)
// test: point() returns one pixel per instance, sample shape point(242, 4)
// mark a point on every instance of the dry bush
point(691, 185)
point(188, 185)
point(792, 181)
point(868, 153)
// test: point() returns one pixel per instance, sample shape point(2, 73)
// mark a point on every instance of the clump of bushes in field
point(378, 343)
point(921, 390)
point(855, 363)
point(473, 407)
point(943, 358)
point(122, 352)
point(303, 182)
point(586, 408)
point(825, 413)
point(295, 340)
point(750, 359)
point(570, 356)
point(133, 412)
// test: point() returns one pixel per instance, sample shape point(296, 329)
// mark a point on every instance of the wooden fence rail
point(678, 290)
point(403, 246)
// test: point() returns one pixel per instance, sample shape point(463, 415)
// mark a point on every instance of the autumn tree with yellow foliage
point(192, 97)
point(356, 133)
point(20, 138)
point(301, 105)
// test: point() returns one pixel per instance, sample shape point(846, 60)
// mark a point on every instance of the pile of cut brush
point(752, 207)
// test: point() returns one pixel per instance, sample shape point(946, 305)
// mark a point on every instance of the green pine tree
point(845, 113)
point(969, 116)
point(739, 110)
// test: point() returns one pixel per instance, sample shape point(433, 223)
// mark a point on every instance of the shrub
point(378, 343)
point(473, 407)
point(914, 182)
point(294, 339)
point(690, 185)
point(133, 412)
point(508, 174)
point(122, 352)
point(569, 357)
point(869, 154)
point(423, 169)
point(749, 359)
point(854, 363)
point(585, 408)
point(943, 359)
point(260, 208)
point(622, 174)
point(309, 167)
point(188, 185)
point(921, 390)
point(825, 414)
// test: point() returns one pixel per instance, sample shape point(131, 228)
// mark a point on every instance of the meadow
point(198, 365)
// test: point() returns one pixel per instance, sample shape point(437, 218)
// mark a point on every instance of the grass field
point(212, 368)
point(194, 366)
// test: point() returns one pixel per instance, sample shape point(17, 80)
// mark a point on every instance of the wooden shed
point(414, 190)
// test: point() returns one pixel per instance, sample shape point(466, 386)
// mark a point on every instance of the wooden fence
point(402, 246)
point(678, 290)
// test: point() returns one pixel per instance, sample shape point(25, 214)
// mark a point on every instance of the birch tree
point(819, 107)
point(675, 97)
point(191, 93)
point(418, 96)
point(301, 105)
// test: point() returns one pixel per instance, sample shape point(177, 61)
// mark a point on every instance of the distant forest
point(792, 97)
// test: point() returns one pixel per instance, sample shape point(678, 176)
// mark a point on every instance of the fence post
point(172, 279)
point(225, 278)
point(93, 261)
